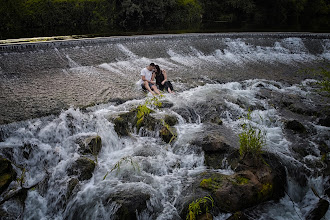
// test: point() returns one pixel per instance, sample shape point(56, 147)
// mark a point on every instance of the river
point(54, 93)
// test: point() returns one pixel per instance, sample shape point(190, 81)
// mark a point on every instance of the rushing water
point(200, 68)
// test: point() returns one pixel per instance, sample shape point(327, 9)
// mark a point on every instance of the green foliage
point(199, 206)
point(170, 129)
point(21, 180)
point(27, 18)
point(251, 139)
point(127, 159)
point(143, 110)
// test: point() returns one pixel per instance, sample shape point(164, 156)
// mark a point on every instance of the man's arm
point(144, 79)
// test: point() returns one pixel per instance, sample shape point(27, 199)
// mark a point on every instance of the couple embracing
point(151, 73)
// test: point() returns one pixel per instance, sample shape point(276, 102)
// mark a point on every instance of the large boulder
point(254, 182)
point(7, 174)
point(83, 168)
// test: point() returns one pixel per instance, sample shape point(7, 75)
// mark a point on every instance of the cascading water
point(155, 173)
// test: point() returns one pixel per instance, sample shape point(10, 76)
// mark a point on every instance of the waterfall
point(46, 112)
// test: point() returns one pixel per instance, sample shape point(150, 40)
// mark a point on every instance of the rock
point(239, 191)
point(7, 174)
point(206, 216)
point(238, 216)
point(128, 122)
point(254, 182)
point(216, 147)
point(170, 120)
point(304, 149)
point(168, 134)
point(90, 145)
point(296, 126)
point(166, 104)
point(216, 120)
point(303, 109)
point(121, 126)
point(325, 121)
point(187, 113)
point(147, 151)
point(319, 211)
point(82, 167)
point(131, 201)
point(71, 186)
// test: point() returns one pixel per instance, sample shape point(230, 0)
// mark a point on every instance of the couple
point(152, 72)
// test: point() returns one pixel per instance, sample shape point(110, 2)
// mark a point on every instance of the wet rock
point(303, 149)
point(303, 109)
point(71, 186)
point(83, 168)
point(325, 121)
point(242, 190)
point(166, 104)
point(187, 113)
point(218, 143)
point(296, 126)
point(129, 122)
point(319, 211)
point(7, 174)
point(215, 148)
point(216, 120)
point(90, 145)
point(130, 202)
point(146, 151)
point(2, 135)
point(168, 134)
point(206, 216)
point(170, 120)
point(28, 150)
point(238, 216)
point(121, 126)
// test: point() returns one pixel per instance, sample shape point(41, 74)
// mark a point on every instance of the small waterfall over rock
point(77, 163)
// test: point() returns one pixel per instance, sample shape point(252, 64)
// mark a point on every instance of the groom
point(148, 77)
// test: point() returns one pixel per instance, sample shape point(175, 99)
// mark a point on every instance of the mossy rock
point(83, 168)
point(241, 190)
point(121, 126)
point(168, 134)
point(7, 174)
point(170, 120)
point(90, 145)
point(71, 186)
point(126, 122)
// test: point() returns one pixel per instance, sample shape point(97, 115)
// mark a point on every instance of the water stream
point(224, 75)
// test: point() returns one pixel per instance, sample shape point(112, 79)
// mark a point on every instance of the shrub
point(251, 139)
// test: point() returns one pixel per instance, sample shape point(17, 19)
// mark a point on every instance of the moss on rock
point(83, 168)
point(7, 174)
